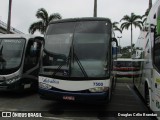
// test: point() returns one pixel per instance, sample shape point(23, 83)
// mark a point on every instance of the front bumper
point(10, 87)
point(81, 97)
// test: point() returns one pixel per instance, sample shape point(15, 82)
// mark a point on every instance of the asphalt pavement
point(125, 104)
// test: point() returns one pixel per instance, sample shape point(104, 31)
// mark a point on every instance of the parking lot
point(124, 100)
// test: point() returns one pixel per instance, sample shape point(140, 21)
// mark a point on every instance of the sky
point(23, 12)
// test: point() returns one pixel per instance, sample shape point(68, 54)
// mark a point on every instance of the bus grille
point(59, 90)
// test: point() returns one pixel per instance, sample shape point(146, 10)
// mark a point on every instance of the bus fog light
point(44, 86)
point(99, 89)
point(10, 81)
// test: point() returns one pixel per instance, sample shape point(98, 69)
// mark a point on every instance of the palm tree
point(42, 24)
point(129, 21)
point(144, 19)
point(115, 27)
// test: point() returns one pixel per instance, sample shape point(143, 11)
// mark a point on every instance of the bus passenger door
point(32, 57)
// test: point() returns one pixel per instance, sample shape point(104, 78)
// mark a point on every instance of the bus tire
point(113, 83)
point(109, 95)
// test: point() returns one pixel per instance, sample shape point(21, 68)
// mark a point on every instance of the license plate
point(72, 98)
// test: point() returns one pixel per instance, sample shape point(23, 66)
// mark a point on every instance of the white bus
point(19, 61)
point(148, 49)
point(77, 60)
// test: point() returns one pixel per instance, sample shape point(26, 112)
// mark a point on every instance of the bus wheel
point(109, 95)
point(147, 98)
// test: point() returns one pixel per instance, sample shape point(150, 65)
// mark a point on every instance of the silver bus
point(19, 61)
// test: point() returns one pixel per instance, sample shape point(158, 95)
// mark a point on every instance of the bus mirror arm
point(115, 40)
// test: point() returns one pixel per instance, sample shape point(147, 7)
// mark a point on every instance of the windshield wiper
point(64, 63)
point(68, 59)
point(57, 70)
point(80, 65)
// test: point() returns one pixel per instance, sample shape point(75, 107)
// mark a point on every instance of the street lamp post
point(9, 17)
point(119, 39)
point(119, 43)
point(95, 8)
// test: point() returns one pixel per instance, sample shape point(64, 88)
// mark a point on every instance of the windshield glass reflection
point(77, 49)
point(11, 53)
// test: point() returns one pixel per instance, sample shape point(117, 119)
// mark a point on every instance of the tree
point(125, 52)
point(42, 24)
point(144, 19)
point(129, 21)
point(115, 27)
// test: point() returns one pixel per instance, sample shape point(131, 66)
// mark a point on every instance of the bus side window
point(156, 54)
point(158, 21)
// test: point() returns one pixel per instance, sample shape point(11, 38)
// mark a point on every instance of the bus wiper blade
point(57, 70)
point(60, 66)
point(80, 65)
point(65, 63)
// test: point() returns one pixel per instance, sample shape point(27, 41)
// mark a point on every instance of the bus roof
point(81, 19)
point(26, 36)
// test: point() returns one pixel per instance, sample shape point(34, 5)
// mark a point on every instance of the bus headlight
point(12, 80)
point(99, 89)
point(44, 86)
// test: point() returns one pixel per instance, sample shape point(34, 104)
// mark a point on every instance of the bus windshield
point(11, 53)
point(78, 49)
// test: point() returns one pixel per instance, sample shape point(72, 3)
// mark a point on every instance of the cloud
point(23, 11)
